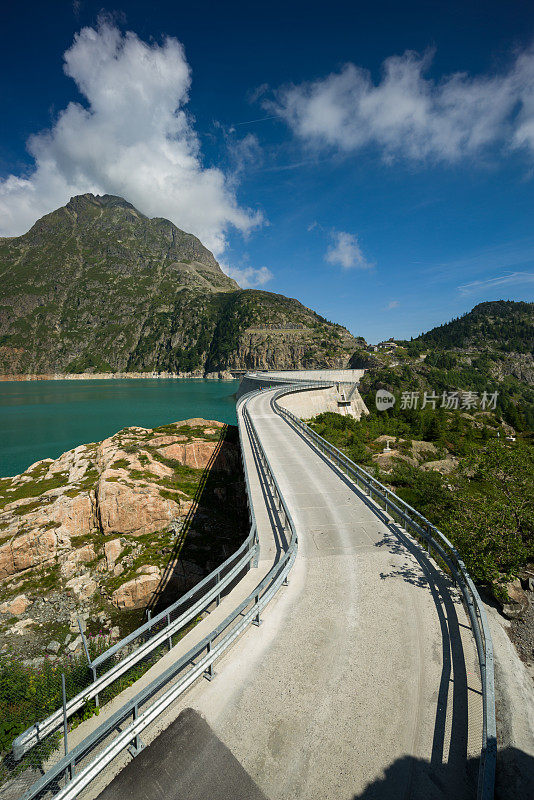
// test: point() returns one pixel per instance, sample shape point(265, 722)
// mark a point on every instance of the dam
point(348, 657)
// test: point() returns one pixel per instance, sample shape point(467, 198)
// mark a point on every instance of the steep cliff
point(98, 287)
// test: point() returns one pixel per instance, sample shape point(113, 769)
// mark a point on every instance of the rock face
point(16, 606)
point(137, 592)
point(417, 453)
point(109, 524)
point(518, 602)
point(98, 287)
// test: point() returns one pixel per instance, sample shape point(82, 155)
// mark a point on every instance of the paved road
point(362, 681)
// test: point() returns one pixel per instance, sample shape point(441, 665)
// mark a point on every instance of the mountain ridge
point(96, 286)
point(508, 322)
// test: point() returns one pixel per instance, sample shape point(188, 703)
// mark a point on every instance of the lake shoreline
point(87, 376)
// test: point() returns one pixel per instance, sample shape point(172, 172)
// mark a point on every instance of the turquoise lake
point(42, 419)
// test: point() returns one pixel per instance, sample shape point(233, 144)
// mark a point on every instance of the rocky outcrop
point(107, 524)
point(518, 365)
point(517, 603)
point(417, 453)
point(445, 466)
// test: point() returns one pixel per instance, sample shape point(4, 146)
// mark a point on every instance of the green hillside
point(96, 286)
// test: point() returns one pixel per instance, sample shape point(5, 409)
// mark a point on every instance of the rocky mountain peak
point(97, 286)
point(88, 199)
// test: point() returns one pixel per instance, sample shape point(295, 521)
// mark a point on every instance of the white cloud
point(133, 138)
point(407, 114)
point(392, 304)
point(512, 279)
point(346, 252)
point(248, 277)
point(243, 153)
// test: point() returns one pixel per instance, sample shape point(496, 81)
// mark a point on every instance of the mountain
point(497, 338)
point(489, 349)
point(502, 325)
point(96, 286)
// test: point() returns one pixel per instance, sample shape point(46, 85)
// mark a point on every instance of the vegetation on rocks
point(98, 287)
point(489, 349)
point(114, 526)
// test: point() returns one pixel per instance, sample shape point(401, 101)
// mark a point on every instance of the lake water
point(42, 419)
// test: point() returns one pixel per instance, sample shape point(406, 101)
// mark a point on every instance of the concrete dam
point(342, 652)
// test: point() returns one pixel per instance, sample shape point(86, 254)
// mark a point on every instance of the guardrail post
point(209, 674)
point(257, 621)
point(84, 640)
point(217, 581)
point(170, 636)
point(137, 744)
point(257, 549)
point(93, 670)
point(69, 770)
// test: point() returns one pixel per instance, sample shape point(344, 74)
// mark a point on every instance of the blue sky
point(376, 162)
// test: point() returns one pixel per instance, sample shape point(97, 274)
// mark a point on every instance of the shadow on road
point(273, 512)
point(411, 778)
point(425, 575)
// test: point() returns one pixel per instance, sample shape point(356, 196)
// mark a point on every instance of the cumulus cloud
point(392, 304)
point(346, 252)
point(133, 138)
point(407, 114)
point(249, 277)
point(510, 279)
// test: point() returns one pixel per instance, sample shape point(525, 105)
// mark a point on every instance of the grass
point(121, 463)
point(29, 489)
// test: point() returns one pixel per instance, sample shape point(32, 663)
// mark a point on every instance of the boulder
point(199, 454)
point(82, 587)
point(16, 606)
point(517, 603)
point(72, 560)
point(527, 578)
point(443, 465)
point(421, 448)
point(112, 549)
point(133, 510)
point(21, 626)
point(137, 593)
point(196, 454)
point(27, 551)
point(386, 461)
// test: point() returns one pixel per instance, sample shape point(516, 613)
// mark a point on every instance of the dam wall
point(341, 398)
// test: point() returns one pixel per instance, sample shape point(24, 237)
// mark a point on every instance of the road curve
point(362, 681)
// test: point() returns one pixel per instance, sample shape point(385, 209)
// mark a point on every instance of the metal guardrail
point(394, 506)
point(158, 635)
point(111, 738)
point(245, 554)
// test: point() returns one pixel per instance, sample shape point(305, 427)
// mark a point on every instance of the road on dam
point(362, 681)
